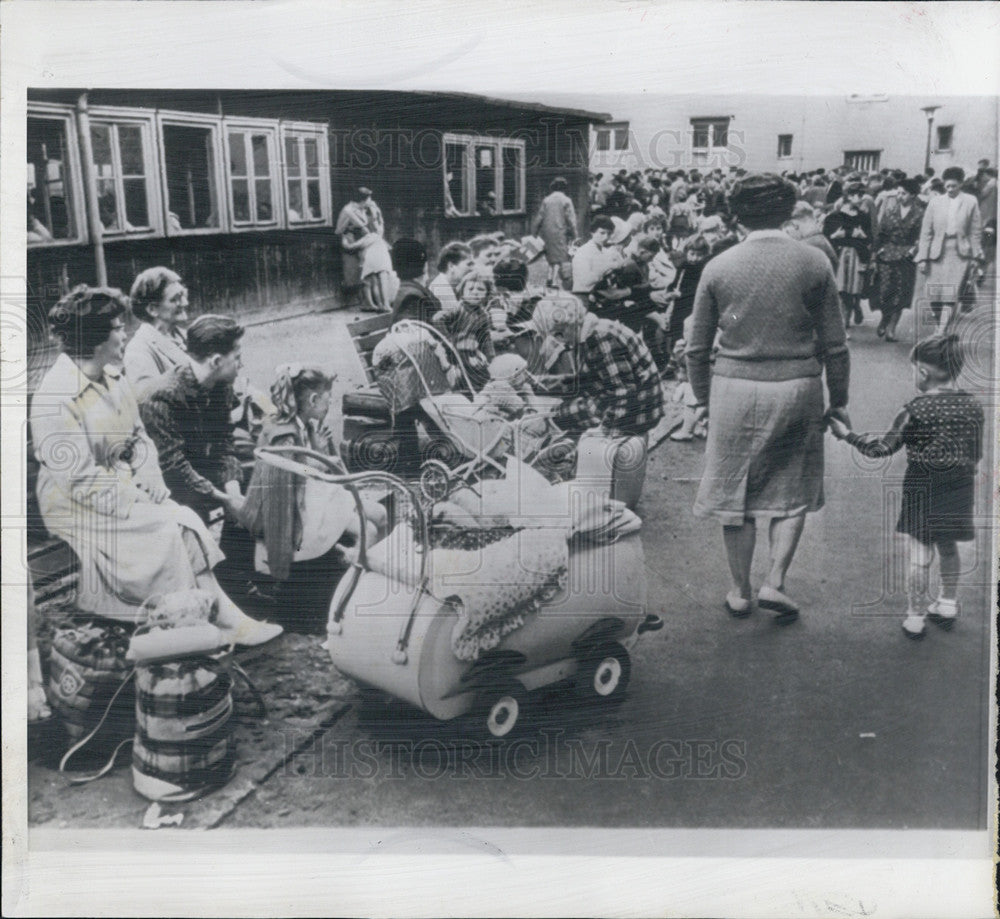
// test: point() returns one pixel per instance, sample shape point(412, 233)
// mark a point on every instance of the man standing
point(187, 415)
point(556, 224)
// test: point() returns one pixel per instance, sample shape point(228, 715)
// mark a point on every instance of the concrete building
point(792, 133)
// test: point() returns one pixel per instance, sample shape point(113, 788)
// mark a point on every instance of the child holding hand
point(942, 431)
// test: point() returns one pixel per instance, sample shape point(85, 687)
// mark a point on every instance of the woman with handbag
point(895, 246)
point(100, 487)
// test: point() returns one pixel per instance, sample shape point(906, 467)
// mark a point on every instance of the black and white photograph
point(464, 460)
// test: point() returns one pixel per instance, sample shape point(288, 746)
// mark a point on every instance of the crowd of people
point(742, 287)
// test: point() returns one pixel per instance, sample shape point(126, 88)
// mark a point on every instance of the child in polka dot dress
point(942, 430)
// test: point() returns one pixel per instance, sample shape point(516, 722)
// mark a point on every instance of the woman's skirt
point(895, 286)
point(947, 275)
point(764, 456)
point(850, 272)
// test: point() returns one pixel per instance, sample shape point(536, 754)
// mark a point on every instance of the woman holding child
point(774, 304)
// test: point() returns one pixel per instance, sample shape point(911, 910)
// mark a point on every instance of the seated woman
point(100, 487)
point(468, 328)
point(160, 301)
point(304, 525)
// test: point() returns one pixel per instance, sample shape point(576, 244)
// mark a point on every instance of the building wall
point(822, 129)
point(390, 142)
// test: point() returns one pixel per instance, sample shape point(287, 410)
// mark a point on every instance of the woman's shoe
point(859, 317)
point(880, 331)
point(239, 629)
point(914, 627)
point(890, 337)
point(784, 609)
point(738, 607)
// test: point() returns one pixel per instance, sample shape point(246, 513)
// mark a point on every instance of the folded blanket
point(492, 588)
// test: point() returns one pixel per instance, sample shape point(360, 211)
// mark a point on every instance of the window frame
point(470, 142)
point(270, 127)
point(850, 155)
point(709, 123)
point(320, 132)
point(951, 139)
point(73, 175)
point(195, 120)
point(145, 120)
point(791, 139)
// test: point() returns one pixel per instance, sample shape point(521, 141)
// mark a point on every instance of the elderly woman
point(160, 301)
point(100, 487)
point(895, 246)
point(773, 303)
point(804, 225)
point(950, 241)
point(618, 386)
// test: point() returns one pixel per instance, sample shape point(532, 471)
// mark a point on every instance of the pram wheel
point(604, 673)
point(435, 480)
point(499, 709)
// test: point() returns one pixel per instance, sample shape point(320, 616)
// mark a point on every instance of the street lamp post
point(929, 111)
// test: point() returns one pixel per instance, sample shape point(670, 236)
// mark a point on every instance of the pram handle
point(278, 457)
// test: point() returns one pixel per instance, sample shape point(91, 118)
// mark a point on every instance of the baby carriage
point(469, 439)
point(474, 629)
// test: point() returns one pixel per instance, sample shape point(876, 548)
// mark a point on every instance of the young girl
point(468, 328)
point(942, 431)
point(303, 524)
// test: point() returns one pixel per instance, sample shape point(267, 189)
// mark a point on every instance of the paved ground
point(835, 722)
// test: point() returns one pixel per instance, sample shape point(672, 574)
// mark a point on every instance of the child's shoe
point(914, 626)
point(943, 612)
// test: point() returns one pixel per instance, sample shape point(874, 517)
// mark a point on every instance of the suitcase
point(615, 466)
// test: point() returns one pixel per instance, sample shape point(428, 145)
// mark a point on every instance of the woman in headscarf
point(773, 303)
point(618, 386)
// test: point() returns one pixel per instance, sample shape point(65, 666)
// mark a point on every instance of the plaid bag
point(184, 745)
point(90, 687)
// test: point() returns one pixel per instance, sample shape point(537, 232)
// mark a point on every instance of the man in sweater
point(774, 304)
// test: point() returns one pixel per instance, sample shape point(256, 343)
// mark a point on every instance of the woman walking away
point(774, 304)
point(942, 430)
point(849, 230)
point(895, 246)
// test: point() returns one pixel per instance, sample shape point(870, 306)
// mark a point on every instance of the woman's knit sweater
point(774, 302)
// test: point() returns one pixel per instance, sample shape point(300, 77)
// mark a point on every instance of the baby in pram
point(509, 395)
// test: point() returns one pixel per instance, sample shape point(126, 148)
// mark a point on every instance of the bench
point(367, 401)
